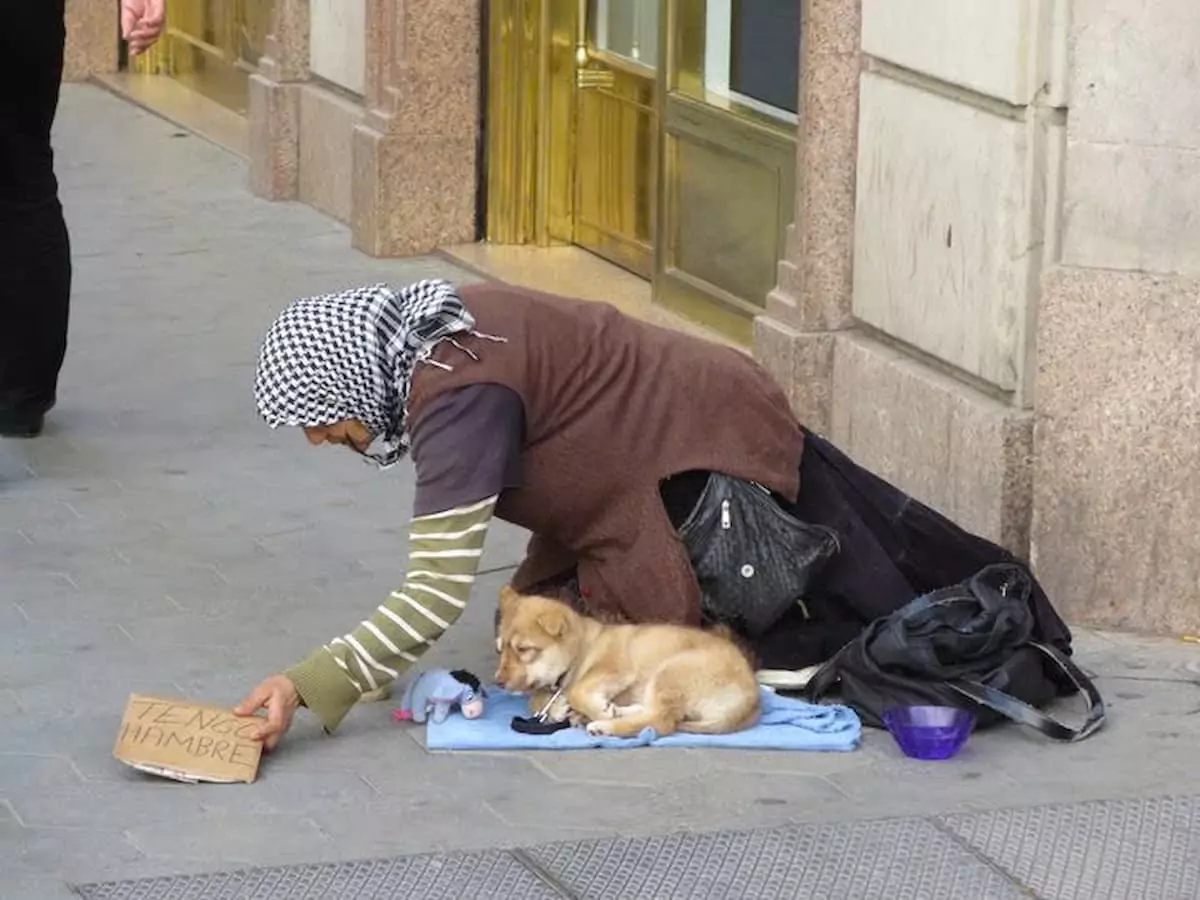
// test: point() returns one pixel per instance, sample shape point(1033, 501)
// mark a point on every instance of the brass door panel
point(616, 130)
point(530, 121)
point(615, 162)
point(727, 199)
point(602, 131)
point(514, 119)
point(572, 132)
point(212, 46)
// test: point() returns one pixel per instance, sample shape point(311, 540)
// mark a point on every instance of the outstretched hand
point(279, 697)
point(142, 23)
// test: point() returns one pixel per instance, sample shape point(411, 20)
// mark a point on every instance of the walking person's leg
point(35, 257)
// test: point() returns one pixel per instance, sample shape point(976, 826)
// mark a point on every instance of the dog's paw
point(600, 727)
point(609, 711)
point(577, 719)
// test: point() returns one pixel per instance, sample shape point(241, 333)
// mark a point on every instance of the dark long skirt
point(893, 549)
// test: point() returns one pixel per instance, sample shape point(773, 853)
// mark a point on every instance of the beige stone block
point(946, 200)
point(1116, 493)
point(1056, 168)
point(337, 42)
point(274, 118)
point(327, 123)
point(1058, 54)
point(948, 445)
point(93, 39)
point(802, 364)
point(1132, 207)
point(411, 194)
point(995, 48)
point(1134, 72)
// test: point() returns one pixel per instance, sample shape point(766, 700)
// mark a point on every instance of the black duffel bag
point(966, 646)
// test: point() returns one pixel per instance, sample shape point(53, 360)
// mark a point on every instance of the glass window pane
point(627, 28)
point(740, 54)
point(765, 53)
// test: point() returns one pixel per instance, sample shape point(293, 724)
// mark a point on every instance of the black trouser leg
point(35, 257)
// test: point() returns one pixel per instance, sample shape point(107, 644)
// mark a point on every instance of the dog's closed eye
point(528, 653)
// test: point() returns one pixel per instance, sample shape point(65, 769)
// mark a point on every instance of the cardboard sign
point(188, 741)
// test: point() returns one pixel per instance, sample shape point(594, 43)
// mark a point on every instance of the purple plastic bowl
point(929, 732)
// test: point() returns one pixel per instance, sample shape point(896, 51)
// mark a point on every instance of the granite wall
point(93, 39)
point(1117, 437)
point(905, 313)
point(992, 289)
point(368, 110)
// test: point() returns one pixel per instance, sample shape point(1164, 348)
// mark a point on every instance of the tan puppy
point(623, 678)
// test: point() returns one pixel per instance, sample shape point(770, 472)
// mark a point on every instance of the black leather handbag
point(752, 558)
point(966, 646)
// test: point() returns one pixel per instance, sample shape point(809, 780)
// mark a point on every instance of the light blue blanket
point(786, 724)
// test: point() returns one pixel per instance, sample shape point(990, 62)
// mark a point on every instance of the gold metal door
point(616, 131)
point(727, 179)
point(572, 132)
point(212, 46)
point(624, 126)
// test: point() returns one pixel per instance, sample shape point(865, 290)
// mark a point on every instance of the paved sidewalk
point(1084, 851)
point(159, 538)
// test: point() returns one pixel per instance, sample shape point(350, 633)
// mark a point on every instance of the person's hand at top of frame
point(142, 23)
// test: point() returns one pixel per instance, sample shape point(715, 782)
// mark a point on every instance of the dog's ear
point(554, 622)
point(508, 601)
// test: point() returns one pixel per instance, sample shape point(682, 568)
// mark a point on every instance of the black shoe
point(27, 425)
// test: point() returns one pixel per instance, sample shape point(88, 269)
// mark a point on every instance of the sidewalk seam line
point(982, 857)
point(542, 874)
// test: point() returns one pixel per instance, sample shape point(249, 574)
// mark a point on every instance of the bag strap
point(822, 679)
point(1024, 714)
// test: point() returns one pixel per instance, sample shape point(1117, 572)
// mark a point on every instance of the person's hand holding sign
point(279, 697)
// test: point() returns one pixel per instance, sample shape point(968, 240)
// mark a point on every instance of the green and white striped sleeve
point(445, 549)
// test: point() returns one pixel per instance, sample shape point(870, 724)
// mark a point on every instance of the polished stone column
point(811, 303)
point(416, 151)
point(92, 39)
point(275, 104)
point(1116, 525)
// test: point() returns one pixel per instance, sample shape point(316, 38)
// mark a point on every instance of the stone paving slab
point(1091, 851)
point(480, 876)
point(159, 538)
point(1148, 848)
point(878, 859)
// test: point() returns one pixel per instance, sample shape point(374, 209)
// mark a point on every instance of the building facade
point(962, 233)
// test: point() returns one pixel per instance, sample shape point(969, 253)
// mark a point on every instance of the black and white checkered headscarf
point(351, 355)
